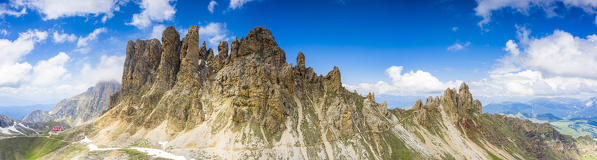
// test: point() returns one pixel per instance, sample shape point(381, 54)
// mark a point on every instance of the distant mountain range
point(569, 116)
point(20, 111)
point(12, 127)
point(69, 112)
point(563, 108)
point(80, 108)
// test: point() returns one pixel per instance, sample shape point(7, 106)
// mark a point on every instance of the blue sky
point(504, 49)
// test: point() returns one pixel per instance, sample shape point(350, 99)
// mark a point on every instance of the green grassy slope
point(28, 147)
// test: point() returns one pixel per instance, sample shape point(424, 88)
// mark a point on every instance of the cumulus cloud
point(485, 8)
point(213, 33)
point(49, 80)
point(83, 42)
point(153, 11)
point(108, 68)
point(211, 6)
point(235, 4)
point(63, 37)
point(5, 10)
point(405, 84)
point(558, 54)
point(54, 9)
point(47, 72)
point(53, 81)
point(558, 64)
point(12, 69)
point(458, 46)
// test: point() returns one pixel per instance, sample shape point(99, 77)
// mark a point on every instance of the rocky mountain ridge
point(12, 127)
point(246, 102)
point(79, 109)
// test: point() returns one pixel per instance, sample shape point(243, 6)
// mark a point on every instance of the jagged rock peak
point(223, 49)
point(234, 48)
point(170, 61)
point(203, 53)
point(334, 80)
point(418, 105)
point(259, 45)
point(190, 55)
point(142, 60)
point(461, 101)
point(464, 92)
point(300, 60)
point(371, 97)
point(261, 34)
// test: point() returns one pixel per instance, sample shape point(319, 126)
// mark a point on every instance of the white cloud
point(83, 42)
point(157, 31)
point(458, 46)
point(4, 10)
point(63, 37)
point(212, 6)
point(405, 84)
point(454, 29)
point(534, 83)
point(12, 69)
point(51, 80)
point(512, 47)
point(54, 9)
point(153, 10)
point(558, 64)
point(108, 68)
point(485, 8)
point(47, 72)
point(235, 4)
point(213, 33)
point(47, 79)
point(558, 54)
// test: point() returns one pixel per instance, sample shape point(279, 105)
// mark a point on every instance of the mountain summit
point(246, 102)
point(79, 109)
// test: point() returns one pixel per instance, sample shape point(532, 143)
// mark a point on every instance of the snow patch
point(85, 140)
point(11, 129)
point(93, 147)
point(159, 153)
point(149, 151)
point(163, 144)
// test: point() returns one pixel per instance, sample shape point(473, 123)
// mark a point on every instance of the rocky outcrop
point(333, 80)
point(247, 102)
point(82, 108)
point(142, 59)
point(300, 60)
point(170, 59)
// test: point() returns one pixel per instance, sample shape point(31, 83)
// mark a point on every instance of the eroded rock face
point(254, 77)
point(247, 101)
point(170, 59)
point(300, 60)
point(141, 63)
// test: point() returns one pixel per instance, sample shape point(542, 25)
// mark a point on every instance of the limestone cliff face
point(247, 102)
point(78, 109)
